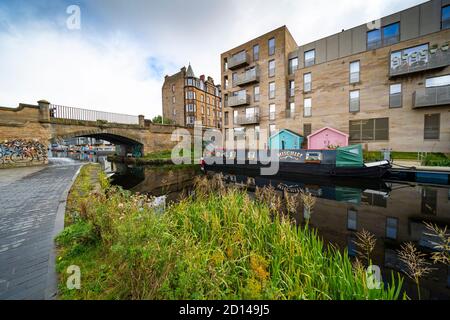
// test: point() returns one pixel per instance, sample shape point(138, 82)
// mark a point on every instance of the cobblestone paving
point(28, 209)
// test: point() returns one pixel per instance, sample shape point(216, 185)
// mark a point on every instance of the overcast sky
point(117, 60)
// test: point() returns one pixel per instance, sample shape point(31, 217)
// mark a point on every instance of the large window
point(272, 111)
point(256, 93)
point(235, 116)
point(354, 101)
point(438, 81)
point(446, 17)
point(271, 46)
point(190, 95)
point(310, 58)
point(410, 56)
point(271, 90)
point(369, 130)
point(256, 52)
point(395, 95)
point(307, 106)
point(271, 68)
point(432, 126)
point(388, 35)
point(307, 82)
point(354, 72)
point(293, 65)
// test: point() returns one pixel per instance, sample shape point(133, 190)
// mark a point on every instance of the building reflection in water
point(395, 213)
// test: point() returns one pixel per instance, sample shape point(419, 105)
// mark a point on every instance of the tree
point(159, 119)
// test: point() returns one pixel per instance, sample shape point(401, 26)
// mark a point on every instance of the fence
point(70, 113)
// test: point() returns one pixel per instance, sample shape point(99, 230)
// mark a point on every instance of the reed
point(211, 246)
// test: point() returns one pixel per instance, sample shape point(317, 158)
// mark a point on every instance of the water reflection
point(395, 213)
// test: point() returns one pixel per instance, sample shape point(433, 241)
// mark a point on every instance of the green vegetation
point(431, 159)
point(436, 159)
point(219, 245)
point(164, 154)
point(160, 120)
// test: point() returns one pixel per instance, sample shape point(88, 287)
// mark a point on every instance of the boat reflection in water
point(395, 213)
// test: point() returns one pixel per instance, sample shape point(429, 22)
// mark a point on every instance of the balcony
point(247, 119)
point(421, 61)
point(248, 77)
point(239, 100)
point(430, 97)
point(239, 60)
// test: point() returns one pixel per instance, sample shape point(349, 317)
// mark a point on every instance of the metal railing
point(249, 76)
point(428, 97)
point(238, 100)
point(238, 60)
point(420, 62)
point(71, 113)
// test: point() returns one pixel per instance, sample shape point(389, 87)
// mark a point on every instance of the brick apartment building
point(385, 83)
point(187, 99)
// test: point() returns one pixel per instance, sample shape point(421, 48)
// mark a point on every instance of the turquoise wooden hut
point(285, 140)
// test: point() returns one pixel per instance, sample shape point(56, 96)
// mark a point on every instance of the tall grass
point(218, 245)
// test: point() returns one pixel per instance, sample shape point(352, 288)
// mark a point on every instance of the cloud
point(118, 60)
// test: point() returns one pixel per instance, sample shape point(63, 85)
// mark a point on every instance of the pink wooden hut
point(327, 138)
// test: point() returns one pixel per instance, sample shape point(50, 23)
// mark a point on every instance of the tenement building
point(187, 99)
point(385, 83)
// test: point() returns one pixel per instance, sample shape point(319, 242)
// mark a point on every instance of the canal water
point(393, 212)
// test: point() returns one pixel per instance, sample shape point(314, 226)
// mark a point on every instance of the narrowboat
point(343, 162)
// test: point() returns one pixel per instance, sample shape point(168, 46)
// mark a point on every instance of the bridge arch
point(128, 142)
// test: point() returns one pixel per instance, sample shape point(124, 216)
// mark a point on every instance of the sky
point(114, 55)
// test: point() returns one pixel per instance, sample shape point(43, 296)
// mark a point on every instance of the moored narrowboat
point(343, 162)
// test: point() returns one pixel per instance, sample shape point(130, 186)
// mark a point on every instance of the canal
point(394, 212)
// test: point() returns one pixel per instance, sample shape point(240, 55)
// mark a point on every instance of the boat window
point(313, 156)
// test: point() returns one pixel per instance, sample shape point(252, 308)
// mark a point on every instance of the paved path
point(31, 213)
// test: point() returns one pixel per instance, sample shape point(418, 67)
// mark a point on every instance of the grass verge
point(219, 245)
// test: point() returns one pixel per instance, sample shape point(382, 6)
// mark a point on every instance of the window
point(395, 95)
point(225, 64)
point(354, 101)
point(250, 114)
point(445, 17)
point(429, 201)
point(226, 118)
point(271, 68)
point(173, 88)
point(190, 107)
point(291, 111)
point(257, 131)
point(307, 129)
point(307, 105)
point(272, 129)
point(291, 88)
point(202, 97)
point(256, 93)
point(373, 39)
point(369, 130)
point(174, 99)
point(190, 95)
point(271, 46)
point(391, 34)
point(391, 228)
point(432, 126)
point(235, 116)
point(310, 58)
point(208, 100)
point(354, 72)
point(190, 120)
point(226, 82)
point(256, 52)
point(174, 112)
point(307, 82)
point(271, 90)
point(272, 111)
point(438, 81)
point(409, 57)
point(293, 65)
point(351, 220)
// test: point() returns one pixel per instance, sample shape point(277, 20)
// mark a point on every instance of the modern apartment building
point(385, 83)
point(186, 99)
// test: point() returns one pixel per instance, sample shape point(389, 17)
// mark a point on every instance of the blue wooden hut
point(285, 140)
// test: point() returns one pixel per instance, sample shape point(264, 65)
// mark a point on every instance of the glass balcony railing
point(429, 97)
point(419, 61)
point(247, 119)
point(238, 100)
point(248, 77)
point(238, 60)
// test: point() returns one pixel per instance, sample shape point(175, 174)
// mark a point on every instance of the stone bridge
point(48, 123)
